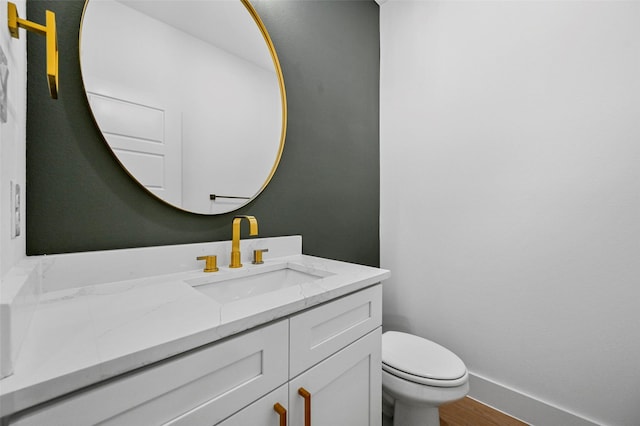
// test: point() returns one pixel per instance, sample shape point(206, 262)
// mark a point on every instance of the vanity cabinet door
point(201, 387)
point(319, 332)
point(345, 389)
point(262, 412)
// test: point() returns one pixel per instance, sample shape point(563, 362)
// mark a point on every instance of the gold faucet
point(235, 240)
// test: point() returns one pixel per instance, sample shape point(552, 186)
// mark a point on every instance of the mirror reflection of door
point(189, 98)
point(146, 139)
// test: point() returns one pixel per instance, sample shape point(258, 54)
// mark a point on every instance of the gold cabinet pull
point(307, 405)
point(282, 412)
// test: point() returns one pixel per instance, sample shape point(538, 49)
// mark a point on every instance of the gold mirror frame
point(283, 94)
point(283, 101)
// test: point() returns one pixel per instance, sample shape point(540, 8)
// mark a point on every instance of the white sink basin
point(225, 287)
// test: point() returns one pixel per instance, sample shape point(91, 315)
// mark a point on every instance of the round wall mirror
point(189, 96)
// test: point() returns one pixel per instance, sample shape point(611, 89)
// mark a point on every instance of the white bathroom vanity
point(144, 336)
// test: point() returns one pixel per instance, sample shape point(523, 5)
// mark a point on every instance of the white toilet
point(418, 376)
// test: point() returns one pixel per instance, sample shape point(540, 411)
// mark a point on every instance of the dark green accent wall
point(325, 189)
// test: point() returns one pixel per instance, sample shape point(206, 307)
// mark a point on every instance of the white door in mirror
point(147, 141)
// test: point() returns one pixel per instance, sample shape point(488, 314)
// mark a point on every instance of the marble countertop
point(84, 335)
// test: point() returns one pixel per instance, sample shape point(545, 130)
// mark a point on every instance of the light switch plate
point(15, 209)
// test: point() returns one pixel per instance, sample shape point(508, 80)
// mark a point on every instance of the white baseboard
point(521, 406)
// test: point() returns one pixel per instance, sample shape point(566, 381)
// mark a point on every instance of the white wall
point(510, 194)
point(17, 301)
point(12, 140)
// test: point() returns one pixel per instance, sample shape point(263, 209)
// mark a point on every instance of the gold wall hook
point(49, 31)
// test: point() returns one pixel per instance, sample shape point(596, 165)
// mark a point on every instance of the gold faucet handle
point(211, 264)
point(257, 256)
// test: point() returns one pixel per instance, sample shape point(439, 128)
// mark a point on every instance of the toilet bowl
point(418, 376)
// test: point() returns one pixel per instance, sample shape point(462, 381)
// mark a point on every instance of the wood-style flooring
point(469, 412)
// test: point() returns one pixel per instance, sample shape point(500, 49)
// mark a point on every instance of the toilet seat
point(421, 361)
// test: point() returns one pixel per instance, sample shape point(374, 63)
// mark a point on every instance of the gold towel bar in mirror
point(213, 197)
point(49, 31)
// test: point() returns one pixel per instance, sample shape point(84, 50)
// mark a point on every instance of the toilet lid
point(420, 360)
